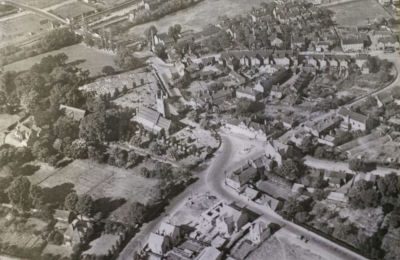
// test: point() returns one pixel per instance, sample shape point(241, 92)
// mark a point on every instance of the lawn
point(358, 12)
point(91, 59)
point(200, 15)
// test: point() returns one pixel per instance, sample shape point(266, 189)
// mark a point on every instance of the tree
point(84, 206)
point(70, 201)
point(150, 32)
point(18, 193)
point(174, 31)
point(126, 60)
point(108, 70)
point(137, 213)
point(289, 169)
point(357, 165)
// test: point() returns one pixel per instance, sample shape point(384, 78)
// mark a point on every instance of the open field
point(92, 59)
point(73, 10)
point(200, 15)
point(358, 13)
point(22, 26)
point(102, 181)
point(39, 3)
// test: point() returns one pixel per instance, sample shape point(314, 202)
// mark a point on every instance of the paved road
point(215, 182)
point(395, 59)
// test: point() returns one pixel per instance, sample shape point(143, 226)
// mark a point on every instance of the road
point(211, 178)
point(39, 11)
point(395, 59)
point(215, 183)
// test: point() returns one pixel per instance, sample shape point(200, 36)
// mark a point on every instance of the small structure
point(73, 112)
point(209, 253)
point(259, 231)
point(170, 231)
point(158, 244)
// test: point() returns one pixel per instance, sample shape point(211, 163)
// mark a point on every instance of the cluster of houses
point(216, 231)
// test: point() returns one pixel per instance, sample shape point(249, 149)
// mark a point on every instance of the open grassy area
point(358, 12)
point(88, 58)
point(22, 26)
point(200, 15)
point(98, 180)
point(39, 3)
point(73, 10)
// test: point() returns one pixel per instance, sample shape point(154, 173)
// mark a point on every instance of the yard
point(91, 59)
point(358, 12)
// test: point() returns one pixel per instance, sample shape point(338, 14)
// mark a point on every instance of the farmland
point(40, 3)
point(101, 181)
point(358, 12)
point(200, 15)
point(73, 10)
point(89, 58)
point(22, 26)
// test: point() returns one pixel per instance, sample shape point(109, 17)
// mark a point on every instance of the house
point(239, 178)
point(338, 198)
point(276, 92)
point(152, 120)
point(384, 99)
point(158, 244)
point(170, 231)
point(388, 42)
point(335, 179)
point(62, 215)
point(231, 219)
point(323, 127)
point(248, 93)
point(250, 193)
point(352, 44)
point(276, 150)
point(209, 253)
point(259, 231)
point(269, 202)
point(354, 121)
point(73, 112)
point(247, 128)
point(25, 131)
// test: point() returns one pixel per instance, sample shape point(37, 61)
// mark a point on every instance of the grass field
point(92, 59)
point(73, 10)
point(358, 12)
point(200, 15)
point(98, 180)
point(22, 26)
point(39, 3)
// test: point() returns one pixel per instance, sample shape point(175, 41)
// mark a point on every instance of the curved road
point(215, 183)
point(211, 178)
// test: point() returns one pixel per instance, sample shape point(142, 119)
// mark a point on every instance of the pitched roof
point(344, 112)
point(167, 229)
point(152, 117)
point(73, 112)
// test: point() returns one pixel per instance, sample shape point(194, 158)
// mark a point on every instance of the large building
point(151, 120)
